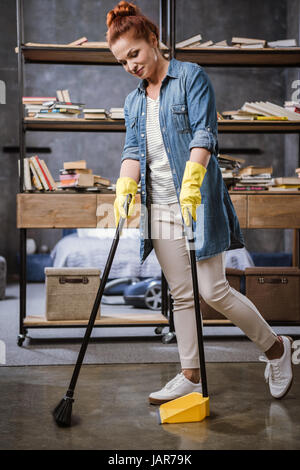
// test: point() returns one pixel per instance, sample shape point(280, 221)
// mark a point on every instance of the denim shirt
point(188, 119)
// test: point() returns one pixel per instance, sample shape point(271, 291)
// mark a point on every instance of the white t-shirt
point(160, 185)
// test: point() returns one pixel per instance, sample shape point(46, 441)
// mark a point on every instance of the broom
point(63, 411)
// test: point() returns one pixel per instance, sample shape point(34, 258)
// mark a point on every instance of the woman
point(171, 146)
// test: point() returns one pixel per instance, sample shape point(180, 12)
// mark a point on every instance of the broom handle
point(191, 240)
point(93, 315)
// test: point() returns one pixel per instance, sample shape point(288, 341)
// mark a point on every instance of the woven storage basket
point(71, 293)
point(275, 292)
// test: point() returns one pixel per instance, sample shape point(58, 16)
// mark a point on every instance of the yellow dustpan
point(194, 406)
point(187, 409)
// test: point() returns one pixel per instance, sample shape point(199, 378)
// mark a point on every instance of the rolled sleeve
point(204, 139)
point(131, 146)
point(202, 110)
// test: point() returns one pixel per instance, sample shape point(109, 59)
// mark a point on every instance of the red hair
point(125, 17)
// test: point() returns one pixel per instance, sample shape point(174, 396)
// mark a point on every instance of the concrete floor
point(111, 409)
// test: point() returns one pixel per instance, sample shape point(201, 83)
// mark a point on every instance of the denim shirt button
point(142, 174)
point(142, 154)
point(143, 113)
point(143, 135)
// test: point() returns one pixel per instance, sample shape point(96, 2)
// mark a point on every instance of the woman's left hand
point(190, 196)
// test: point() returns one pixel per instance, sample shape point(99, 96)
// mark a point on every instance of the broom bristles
point(63, 412)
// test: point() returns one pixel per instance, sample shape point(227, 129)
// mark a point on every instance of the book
point(50, 177)
point(95, 113)
point(27, 185)
point(66, 96)
point(287, 180)
point(27, 176)
point(35, 177)
point(252, 170)
point(56, 115)
point(78, 164)
point(78, 42)
point(39, 172)
point(95, 116)
point(48, 184)
point(101, 180)
point(200, 44)
point(283, 43)
point(37, 99)
point(237, 40)
point(80, 180)
point(189, 41)
point(59, 95)
point(116, 113)
point(73, 172)
point(252, 46)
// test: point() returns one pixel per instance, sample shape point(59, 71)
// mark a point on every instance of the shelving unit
point(269, 210)
point(33, 208)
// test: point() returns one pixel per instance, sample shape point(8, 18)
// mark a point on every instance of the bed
point(90, 248)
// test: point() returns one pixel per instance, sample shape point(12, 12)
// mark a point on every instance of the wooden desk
point(73, 210)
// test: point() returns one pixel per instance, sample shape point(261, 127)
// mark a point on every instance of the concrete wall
point(50, 21)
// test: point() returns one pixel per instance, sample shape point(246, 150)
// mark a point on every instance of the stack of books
point(254, 178)
point(229, 167)
point(95, 113)
point(76, 175)
point(37, 175)
point(262, 111)
point(236, 43)
point(59, 107)
point(116, 113)
point(286, 184)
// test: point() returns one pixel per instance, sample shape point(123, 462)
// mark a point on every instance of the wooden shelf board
point(230, 126)
point(288, 57)
point(109, 125)
point(72, 55)
point(123, 320)
point(75, 55)
point(77, 124)
point(112, 319)
point(204, 56)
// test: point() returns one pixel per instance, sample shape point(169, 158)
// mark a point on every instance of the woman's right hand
point(125, 185)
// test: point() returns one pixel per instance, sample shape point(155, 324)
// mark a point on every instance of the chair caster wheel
point(21, 339)
point(158, 330)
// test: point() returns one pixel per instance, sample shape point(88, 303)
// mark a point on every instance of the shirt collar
point(173, 72)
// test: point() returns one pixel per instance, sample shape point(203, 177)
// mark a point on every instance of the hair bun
point(122, 9)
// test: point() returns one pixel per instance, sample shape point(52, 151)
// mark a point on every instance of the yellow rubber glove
point(125, 185)
point(190, 196)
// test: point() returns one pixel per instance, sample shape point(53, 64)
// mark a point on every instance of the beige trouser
point(172, 253)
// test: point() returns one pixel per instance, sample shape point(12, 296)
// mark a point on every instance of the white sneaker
point(176, 388)
point(279, 373)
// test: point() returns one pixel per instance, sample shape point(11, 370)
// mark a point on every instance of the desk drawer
point(274, 211)
point(56, 210)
